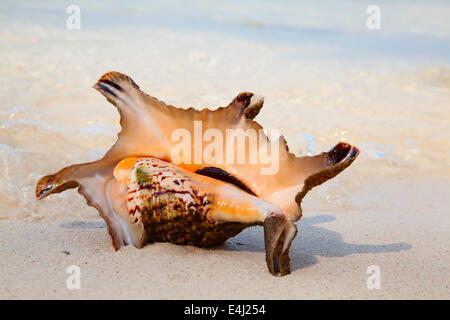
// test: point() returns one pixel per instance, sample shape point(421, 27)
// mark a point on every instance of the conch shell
point(145, 192)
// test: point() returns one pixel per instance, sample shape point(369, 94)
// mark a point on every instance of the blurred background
point(325, 75)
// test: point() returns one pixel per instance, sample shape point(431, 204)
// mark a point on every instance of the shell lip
point(40, 194)
point(342, 152)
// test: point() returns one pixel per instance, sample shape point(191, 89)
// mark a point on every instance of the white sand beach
point(329, 258)
point(325, 77)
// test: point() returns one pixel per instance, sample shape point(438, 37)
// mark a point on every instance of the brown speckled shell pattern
point(173, 209)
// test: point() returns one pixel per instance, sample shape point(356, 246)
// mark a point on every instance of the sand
point(329, 257)
point(325, 77)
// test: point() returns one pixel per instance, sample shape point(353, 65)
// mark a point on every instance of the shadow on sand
point(311, 241)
